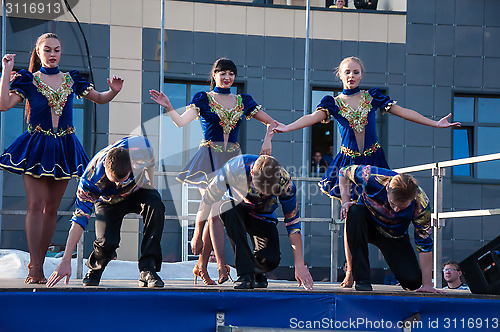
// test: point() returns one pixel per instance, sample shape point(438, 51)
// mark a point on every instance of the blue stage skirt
point(329, 184)
point(205, 164)
point(42, 153)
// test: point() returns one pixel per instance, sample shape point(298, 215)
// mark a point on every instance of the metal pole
point(162, 76)
point(305, 131)
point(2, 116)
point(437, 223)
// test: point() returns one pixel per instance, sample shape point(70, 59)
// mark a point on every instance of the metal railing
point(438, 216)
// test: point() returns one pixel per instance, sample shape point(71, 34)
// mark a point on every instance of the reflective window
point(478, 136)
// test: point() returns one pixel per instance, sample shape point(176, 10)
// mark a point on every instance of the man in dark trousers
point(388, 202)
point(250, 187)
point(118, 180)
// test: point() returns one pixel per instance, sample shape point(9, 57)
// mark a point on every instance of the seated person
point(366, 4)
point(250, 187)
point(388, 202)
point(453, 276)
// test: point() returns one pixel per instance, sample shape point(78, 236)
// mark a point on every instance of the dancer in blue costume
point(354, 111)
point(48, 154)
point(221, 114)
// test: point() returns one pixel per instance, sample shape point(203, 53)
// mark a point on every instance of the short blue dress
point(42, 150)
point(350, 121)
point(215, 122)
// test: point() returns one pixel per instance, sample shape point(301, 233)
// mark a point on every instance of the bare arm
point(425, 261)
point(416, 117)
point(64, 268)
point(201, 218)
point(115, 86)
point(267, 120)
point(304, 121)
point(180, 120)
point(302, 274)
point(7, 99)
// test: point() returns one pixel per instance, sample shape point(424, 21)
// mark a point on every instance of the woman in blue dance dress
point(221, 114)
point(48, 153)
point(354, 111)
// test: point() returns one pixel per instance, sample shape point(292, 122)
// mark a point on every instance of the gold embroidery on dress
point(219, 148)
point(228, 118)
point(353, 154)
point(19, 93)
point(252, 114)
point(357, 118)
point(327, 114)
point(55, 98)
point(86, 91)
point(59, 133)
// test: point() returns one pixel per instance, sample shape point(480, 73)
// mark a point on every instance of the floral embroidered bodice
point(228, 118)
point(55, 98)
point(358, 118)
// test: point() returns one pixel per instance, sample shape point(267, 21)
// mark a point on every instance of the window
point(480, 118)
point(180, 94)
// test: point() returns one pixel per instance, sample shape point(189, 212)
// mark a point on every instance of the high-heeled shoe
point(224, 274)
point(203, 274)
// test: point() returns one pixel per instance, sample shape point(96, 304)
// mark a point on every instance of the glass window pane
point(487, 137)
point(176, 94)
point(13, 126)
point(171, 154)
point(78, 118)
point(195, 88)
point(461, 150)
point(463, 109)
point(316, 97)
point(488, 109)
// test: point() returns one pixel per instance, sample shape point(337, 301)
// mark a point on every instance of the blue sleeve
point(327, 105)
point(200, 100)
point(20, 83)
point(291, 209)
point(381, 101)
point(84, 204)
point(80, 86)
point(249, 105)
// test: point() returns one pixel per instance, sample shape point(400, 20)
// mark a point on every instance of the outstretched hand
point(443, 123)
point(116, 83)
point(160, 98)
point(280, 127)
point(63, 270)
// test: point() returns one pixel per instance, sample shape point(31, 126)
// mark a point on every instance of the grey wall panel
point(445, 11)
point(491, 227)
point(179, 46)
point(325, 54)
point(278, 52)
point(491, 73)
point(469, 13)
point(423, 11)
point(492, 41)
point(468, 72)
point(395, 130)
point(396, 58)
point(422, 36)
point(254, 51)
point(445, 39)
point(443, 70)
point(418, 135)
point(349, 48)
point(374, 57)
point(204, 48)
point(395, 156)
point(420, 69)
point(274, 88)
point(468, 41)
point(299, 46)
point(443, 97)
point(420, 99)
point(491, 10)
point(232, 47)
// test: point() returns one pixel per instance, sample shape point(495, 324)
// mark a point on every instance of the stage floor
point(121, 305)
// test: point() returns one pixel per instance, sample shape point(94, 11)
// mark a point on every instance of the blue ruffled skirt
point(329, 183)
point(205, 164)
point(39, 154)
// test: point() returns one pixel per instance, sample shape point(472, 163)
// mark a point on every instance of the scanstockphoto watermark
point(353, 323)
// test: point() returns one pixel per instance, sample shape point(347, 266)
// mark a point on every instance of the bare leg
point(348, 280)
point(217, 235)
point(54, 192)
point(35, 196)
point(201, 266)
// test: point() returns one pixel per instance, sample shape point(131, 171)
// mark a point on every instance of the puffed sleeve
point(80, 86)
point(380, 100)
point(250, 106)
point(20, 84)
point(199, 102)
point(327, 105)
